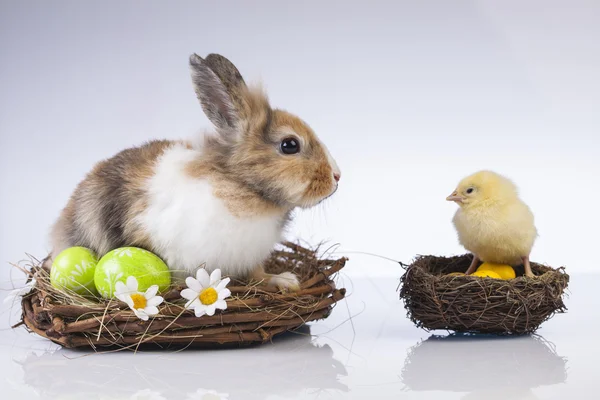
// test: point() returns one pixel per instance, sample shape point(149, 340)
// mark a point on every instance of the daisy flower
point(206, 294)
point(12, 296)
point(144, 305)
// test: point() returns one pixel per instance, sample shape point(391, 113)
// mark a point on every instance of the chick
point(492, 221)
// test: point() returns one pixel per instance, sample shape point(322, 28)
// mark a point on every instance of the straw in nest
point(480, 305)
point(255, 313)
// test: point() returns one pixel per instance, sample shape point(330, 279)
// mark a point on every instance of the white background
point(409, 96)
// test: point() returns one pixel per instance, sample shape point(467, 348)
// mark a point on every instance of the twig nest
point(437, 298)
point(254, 314)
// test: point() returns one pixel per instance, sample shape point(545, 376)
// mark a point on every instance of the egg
point(486, 274)
point(123, 262)
point(505, 271)
point(73, 270)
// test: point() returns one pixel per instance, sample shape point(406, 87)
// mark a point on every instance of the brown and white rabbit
point(222, 203)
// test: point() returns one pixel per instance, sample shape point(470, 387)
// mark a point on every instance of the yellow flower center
point(139, 301)
point(208, 296)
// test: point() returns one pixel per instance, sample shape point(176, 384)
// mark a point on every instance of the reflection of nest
point(254, 312)
point(293, 362)
point(472, 304)
point(463, 363)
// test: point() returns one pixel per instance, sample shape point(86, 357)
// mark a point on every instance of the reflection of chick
point(492, 221)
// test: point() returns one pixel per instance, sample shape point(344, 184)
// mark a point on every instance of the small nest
point(255, 313)
point(480, 305)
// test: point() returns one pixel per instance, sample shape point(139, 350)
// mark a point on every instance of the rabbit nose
point(337, 176)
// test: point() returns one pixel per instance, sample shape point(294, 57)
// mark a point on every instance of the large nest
point(434, 300)
point(255, 313)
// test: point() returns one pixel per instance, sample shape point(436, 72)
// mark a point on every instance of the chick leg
point(527, 266)
point(473, 265)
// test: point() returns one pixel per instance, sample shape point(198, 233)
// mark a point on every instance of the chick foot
point(527, 265)
point(473, 265)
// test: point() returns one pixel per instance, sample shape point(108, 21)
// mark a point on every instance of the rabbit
point(219, 202)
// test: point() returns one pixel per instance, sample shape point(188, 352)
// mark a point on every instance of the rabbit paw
point(286, 281)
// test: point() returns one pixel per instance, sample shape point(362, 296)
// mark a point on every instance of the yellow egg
point(505, 271)
point(456, 274)
point(486, 274)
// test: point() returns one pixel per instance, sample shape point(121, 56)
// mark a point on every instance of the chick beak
point(454, 197)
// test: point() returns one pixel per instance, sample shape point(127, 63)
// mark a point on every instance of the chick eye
point(290, 146)
point(469, 190)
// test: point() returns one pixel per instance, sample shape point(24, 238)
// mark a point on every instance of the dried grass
point(255, 313)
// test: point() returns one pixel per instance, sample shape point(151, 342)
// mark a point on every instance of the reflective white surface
point(376, 354)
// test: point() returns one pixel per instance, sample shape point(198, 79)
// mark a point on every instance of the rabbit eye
point(470, 190)
point(290, 146)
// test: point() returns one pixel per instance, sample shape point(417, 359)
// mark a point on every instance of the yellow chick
point(492, 221)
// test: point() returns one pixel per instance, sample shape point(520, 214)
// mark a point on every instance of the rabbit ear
point(228, 73)
point(218, 85)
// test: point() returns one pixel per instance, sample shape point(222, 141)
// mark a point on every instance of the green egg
point(123, 262)
point(73, 270)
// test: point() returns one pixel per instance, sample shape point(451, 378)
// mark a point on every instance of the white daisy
point(206, 294)
point(202, 394)
point(144, 305)
point(25, 290)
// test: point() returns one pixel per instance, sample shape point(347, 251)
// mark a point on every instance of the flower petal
point(223, 294)
point(141, 314)
point(132, 283)
point(220, 304)
point(210, 309)
point(215, 277)
point(25, 289)
point(192, 304)
point(222, 284)
point(193, 284)
point(189, 294)
point(129, 302)
point(200, 310)
point(151, 292)
point(155, 301)
point(120, 288)
point(151, 310)
point(202, 277)
point(123, 297)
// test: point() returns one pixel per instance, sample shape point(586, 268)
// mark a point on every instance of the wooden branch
point(81, 312)
point(185, 320)
point(325, 274)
